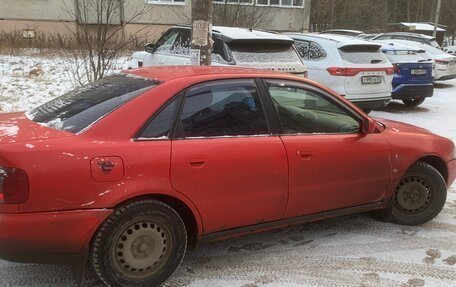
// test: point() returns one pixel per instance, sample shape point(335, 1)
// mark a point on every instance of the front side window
point(175, 42)
point(78, 109)
point(304, 111)
point(222, 108)
point(310, 50)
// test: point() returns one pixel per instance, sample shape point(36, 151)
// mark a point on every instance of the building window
point(278, 3)
point(281, 3)
point(169, 2)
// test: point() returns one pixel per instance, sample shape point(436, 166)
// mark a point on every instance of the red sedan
point(128, 171)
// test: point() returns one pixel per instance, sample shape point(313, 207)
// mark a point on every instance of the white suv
point(232, 46)
point(356, 69)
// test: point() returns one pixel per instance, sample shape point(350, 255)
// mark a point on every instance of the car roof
point(353, 32)
point(397, 47)
point(167, 73)
point(338, 39)
point(415, 35)
point(235, 34)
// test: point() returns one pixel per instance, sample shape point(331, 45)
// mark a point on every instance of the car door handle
point(304, 154)
point(197, 161)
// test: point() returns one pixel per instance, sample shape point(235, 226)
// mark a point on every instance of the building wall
point(57, 16)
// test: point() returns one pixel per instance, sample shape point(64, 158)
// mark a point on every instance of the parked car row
point(367, 69)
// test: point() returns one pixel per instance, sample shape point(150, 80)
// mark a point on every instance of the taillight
point(442, 62)
point(350, 72)
point(14, 185)
point(396, 69)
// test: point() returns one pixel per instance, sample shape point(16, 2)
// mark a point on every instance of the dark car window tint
point(310, 50)
point(305, 111)
point(223, 108)
point(76, 110)
point(161, 123)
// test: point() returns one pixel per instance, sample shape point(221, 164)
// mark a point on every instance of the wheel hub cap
point(413, 194)
point(140, 248)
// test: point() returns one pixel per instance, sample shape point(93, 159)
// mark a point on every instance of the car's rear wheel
point(140, 244)
point(413, 102)
point(420, 195)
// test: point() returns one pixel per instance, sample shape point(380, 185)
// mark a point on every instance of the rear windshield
point(362, 54)
point(264, 53)
point(76, 110)
point(401, 56)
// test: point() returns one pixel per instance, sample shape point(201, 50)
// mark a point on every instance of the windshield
point(264, 53)
point(76, 110)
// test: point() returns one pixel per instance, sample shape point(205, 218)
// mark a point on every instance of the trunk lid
point(370, 68)
point(16, 127)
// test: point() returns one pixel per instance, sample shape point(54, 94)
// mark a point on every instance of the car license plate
point(371, 80)
point(418, 72)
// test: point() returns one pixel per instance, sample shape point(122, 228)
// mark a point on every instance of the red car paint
point(225, 183)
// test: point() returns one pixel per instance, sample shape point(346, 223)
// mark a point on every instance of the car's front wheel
point(420, 195)
point(141, 244)
point(413, 102)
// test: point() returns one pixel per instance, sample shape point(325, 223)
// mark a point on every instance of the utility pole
point(201, 45)
point(437, 15)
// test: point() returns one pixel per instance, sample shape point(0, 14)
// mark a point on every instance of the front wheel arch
point(437, 163)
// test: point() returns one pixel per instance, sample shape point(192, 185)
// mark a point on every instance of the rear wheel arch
point(188, 216)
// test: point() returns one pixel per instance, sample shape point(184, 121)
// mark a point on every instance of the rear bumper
point(451, 172)
point(48, 237)
point(447, 77)
point(407, 91)
point(372, 104)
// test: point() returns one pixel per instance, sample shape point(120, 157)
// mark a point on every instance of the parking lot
point(348, 251)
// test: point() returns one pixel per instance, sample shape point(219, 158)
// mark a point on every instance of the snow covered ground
point(347, 251)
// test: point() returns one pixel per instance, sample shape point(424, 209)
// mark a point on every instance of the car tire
point(140, 244)
point(420, 195)
point(414, 102)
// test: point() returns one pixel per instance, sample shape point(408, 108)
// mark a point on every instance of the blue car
point(413, 79)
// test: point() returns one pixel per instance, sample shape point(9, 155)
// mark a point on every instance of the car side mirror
point(149, 48)
point(369, 126)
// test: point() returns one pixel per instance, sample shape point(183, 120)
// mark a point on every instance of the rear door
point(224, 158)
point(368, 70)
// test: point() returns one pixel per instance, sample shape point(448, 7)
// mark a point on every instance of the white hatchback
point(445, 64)
point(232, 46)
point(356, 69)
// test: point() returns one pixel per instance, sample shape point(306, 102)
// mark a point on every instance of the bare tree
point(243, 14)
point(100, 37)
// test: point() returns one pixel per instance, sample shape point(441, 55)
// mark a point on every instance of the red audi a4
point(129, 171)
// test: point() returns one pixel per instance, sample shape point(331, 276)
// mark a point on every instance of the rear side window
point(76, 110)
point(362, 54)
point(310, 50)
point(222, 108)
point(264, 53)
point(160, 125)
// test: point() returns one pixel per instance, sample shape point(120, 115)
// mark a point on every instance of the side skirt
point(289, 221)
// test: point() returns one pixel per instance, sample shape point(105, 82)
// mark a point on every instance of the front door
point(332, 163)
point(225, 159)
